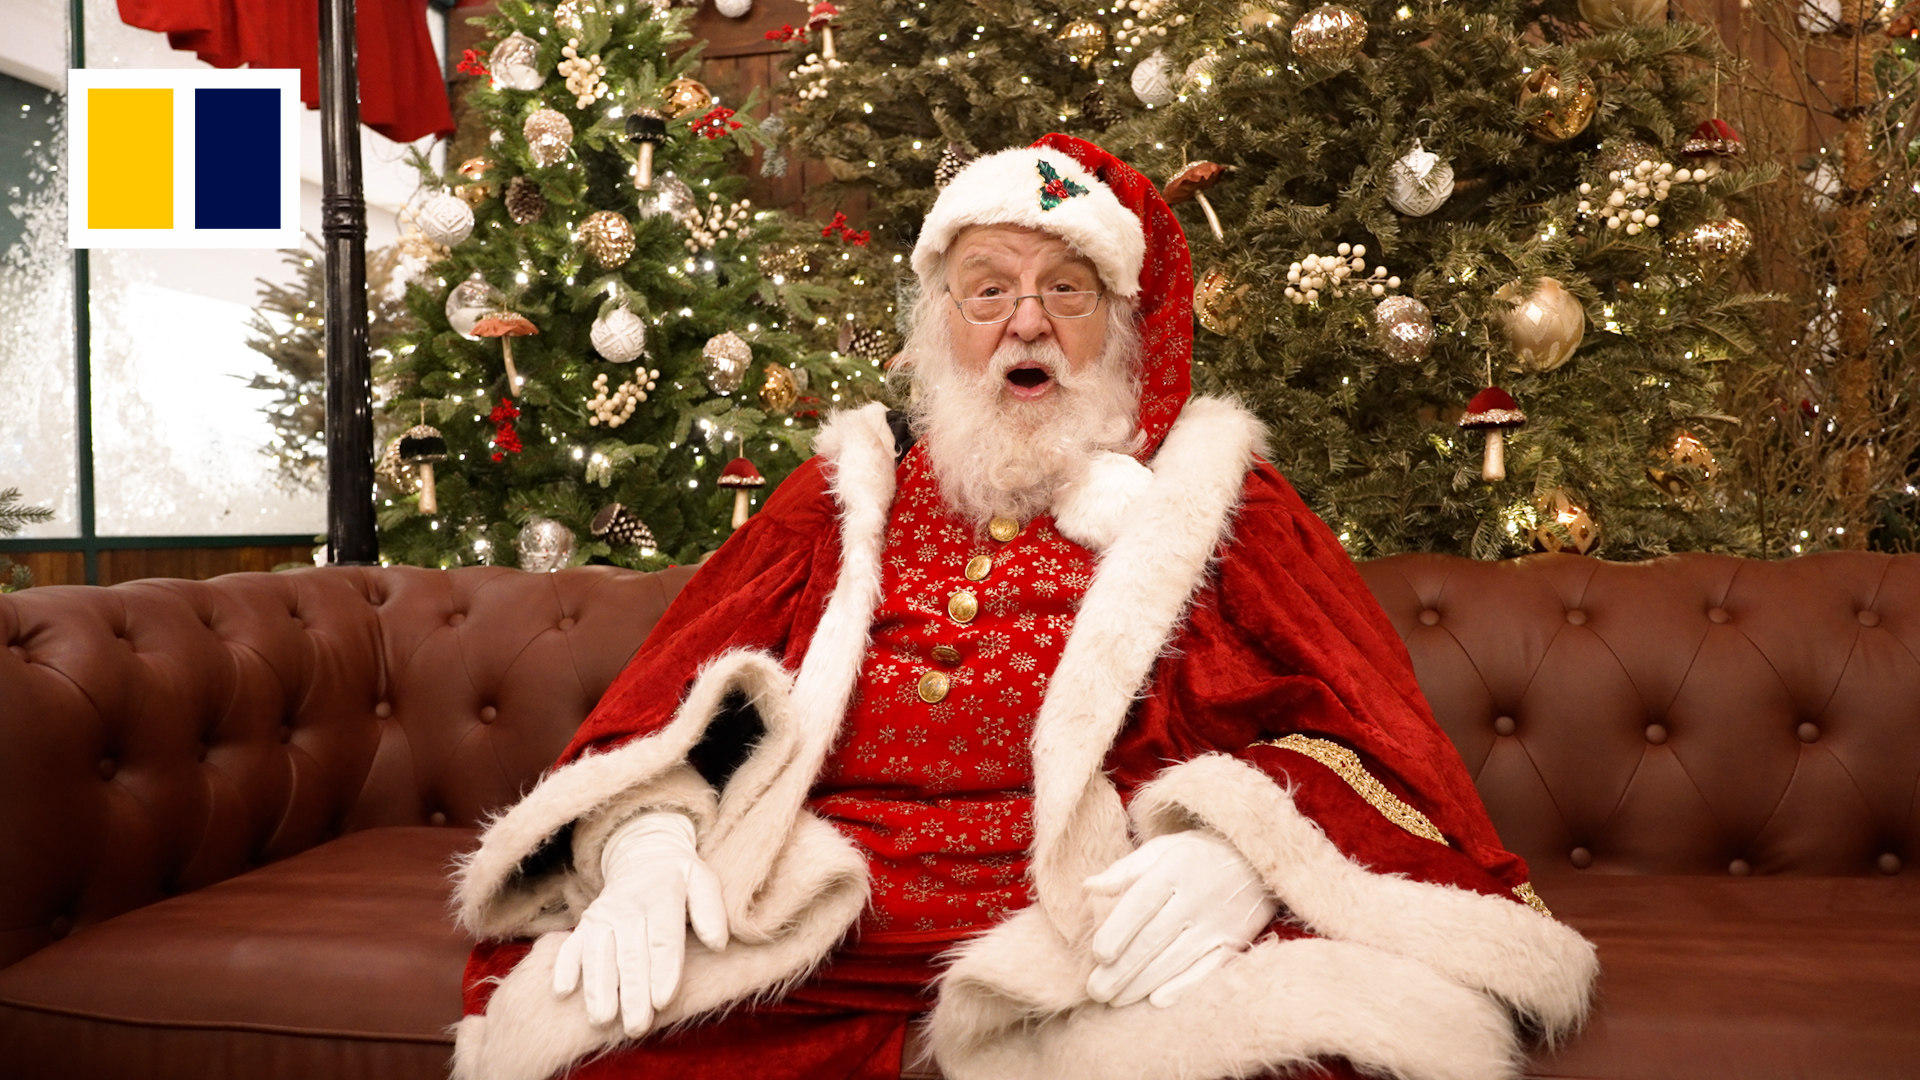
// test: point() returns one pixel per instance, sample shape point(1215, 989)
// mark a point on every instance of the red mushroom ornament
point(1192, 183)
point(1493, 411)
point(742, 477)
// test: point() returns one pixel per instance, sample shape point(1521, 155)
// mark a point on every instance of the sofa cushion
point(1751, 977)
point(342, 959)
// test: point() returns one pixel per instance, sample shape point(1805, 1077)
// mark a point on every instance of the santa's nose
point(1029, 320)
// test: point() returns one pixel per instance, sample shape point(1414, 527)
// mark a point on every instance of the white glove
point(628, 949)
point(1190, 902)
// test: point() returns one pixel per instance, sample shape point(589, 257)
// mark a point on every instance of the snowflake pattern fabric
point(933, 774)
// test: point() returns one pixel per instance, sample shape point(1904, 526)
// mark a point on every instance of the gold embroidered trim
point(1346, 765)
point(1524, 891)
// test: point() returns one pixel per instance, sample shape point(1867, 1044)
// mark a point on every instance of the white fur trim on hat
point(1006, 188)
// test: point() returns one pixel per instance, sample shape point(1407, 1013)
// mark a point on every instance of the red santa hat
point(1111, 214)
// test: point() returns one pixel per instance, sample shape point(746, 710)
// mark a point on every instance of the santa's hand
point(625, 955)
point(1188, 902)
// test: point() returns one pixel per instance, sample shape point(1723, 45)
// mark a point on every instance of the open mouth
point(1029, 381)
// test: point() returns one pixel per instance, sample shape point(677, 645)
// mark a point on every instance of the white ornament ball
point(619, 335)
point(1153, 79)
point(1419, 182)
point(514, 63)
point(446, 219)
point(733, 9)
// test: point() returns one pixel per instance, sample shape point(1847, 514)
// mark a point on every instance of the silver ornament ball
point(1153, 79)
point(446, 219)
point(469, 302)
point(545, 545)
point(1404, 328)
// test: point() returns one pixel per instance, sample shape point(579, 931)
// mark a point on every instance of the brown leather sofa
point(227, 808)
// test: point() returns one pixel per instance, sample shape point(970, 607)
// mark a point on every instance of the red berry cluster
point(716, 123)
point(471, 64)
point(505, 439)
point(839, 225)
point(786, 34)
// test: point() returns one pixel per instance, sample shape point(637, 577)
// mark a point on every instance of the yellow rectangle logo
point(129, 158)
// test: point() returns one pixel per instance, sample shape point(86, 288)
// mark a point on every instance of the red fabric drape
point(403, 94)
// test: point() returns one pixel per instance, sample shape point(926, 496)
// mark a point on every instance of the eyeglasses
point(988, 310)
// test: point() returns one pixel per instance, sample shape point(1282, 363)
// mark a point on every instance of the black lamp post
point(350, 534)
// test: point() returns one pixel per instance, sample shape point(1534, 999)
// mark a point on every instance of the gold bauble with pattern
point(1329, 35)
point(779, 390)
point(1566, 102)
point(1718, 243)
point(684, 96)
point(1217, 300)
point(1561, 524)
point(1085, 40)
point(479, 185)
point(607, 237)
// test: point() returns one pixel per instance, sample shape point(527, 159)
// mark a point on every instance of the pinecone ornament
point(525, 203)
point(869, 343)
point(621, 527)
point(954, 158)
point(1098, 111)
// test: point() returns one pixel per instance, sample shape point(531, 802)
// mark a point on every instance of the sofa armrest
point(159, 736)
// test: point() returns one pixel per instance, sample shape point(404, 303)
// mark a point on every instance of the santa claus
point(1045, 712)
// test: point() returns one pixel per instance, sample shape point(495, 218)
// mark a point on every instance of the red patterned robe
point(1221, 667)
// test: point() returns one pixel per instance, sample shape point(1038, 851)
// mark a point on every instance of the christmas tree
point(596, 339)
point(289, 330)
point(893, 95)
point(14, 516)
point(1428, 238)
point(1831, 431)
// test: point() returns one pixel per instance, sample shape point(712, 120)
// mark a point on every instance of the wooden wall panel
point(198, 564)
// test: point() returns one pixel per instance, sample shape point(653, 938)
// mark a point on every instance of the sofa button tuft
point(1889, 863)
point(1577, 617)
point(1718, 615)
point(107, 768)
point(1808, 732)
point(456, 618)
point(19, 652)
point(1429, 617)
point(1580, 857)
point(1869, 618)
point(1739, 868)
point(60, 927)
point(1657, 734)
point(566, 623)
point(438, 817)
point(1503, 725)
point(383, 710)
point(489, 714)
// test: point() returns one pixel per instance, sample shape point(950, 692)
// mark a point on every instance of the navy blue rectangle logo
point(236, 159)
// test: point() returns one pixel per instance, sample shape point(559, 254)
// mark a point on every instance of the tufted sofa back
point(159, 736)
point(1698, 714)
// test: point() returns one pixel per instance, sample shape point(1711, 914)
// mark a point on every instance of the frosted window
point(182, 446)
point(38, 454)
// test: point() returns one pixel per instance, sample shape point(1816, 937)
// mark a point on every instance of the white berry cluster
point(586, 75)
point(719, 221)
point(1632, 204)
point(814, 69)
point(1337, 274)
point(616, 408)
point(1146, 22)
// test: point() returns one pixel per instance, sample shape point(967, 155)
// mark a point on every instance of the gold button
point(1003, 529)
point(978, 567)
point(933, 686)
point(963, 606)
point(946, 654)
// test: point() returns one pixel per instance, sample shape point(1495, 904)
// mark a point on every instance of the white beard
point(995, 454)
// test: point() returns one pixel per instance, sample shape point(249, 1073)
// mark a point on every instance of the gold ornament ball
point(1563, 525)
point(1545, 325)
point(1404, 328)
point(1568, 103)
point(779, 391)
point(684, 96)
point(1618, 14)
point(607, 237)
point(1216, 301)
point(1688, 452)
point(1329, 35)
point(479, 187)
point(727, 356)
point(1085, 41)
point(549, 137)
point(784, 260)
point(1719, 243)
